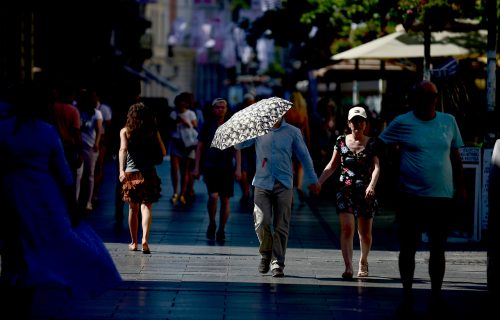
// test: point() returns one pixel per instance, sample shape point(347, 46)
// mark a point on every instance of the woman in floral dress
point(360, 170)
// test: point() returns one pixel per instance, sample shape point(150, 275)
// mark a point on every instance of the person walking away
point(273, 183)
point(91, 129)
point(355, 193)
point(141, 185)
point(431, 175)
point(181, 155)
point(218, 171)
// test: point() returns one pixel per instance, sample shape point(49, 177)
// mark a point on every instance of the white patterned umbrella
point(253, 121)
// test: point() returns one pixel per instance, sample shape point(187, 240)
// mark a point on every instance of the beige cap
point(356, 112)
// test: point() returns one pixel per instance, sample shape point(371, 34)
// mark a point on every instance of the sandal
point(347, 275)
point(183, 200)
point(363, 270)
point(174, 199)
point(145, 249)
point(132, 247)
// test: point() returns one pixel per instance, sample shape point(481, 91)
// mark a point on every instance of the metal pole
point(427, 53)
point(491, 51)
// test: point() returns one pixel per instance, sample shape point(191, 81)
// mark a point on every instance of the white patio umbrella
point(401, 44)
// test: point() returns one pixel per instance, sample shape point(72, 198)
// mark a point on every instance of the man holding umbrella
point(273, 182)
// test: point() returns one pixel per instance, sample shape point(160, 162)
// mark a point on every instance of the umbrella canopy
point(401, 44)
point(253, 121)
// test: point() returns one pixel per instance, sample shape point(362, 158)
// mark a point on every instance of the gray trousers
point(273, 209)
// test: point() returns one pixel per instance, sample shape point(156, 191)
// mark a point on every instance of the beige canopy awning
point(401, 44)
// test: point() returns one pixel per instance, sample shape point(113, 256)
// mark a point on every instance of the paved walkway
point(188, 277)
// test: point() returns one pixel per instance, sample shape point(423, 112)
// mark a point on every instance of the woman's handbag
point(189, 137)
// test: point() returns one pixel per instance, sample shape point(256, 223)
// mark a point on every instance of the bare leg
point(212, 206)
point(347, 226)
point(224, 212)
point(133, 224)
point(147, 218)
point(300, 176)
point(212, 212)
point(174, 173)
point(174, 177)
point(244, 185)
point(185, 173)
point(365, 238)
point(365, 243)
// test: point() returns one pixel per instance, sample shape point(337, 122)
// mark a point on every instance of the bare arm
point(162, 145)
point(122, 154)
point(370, 190)
point(237, 155)
point(199, 152)
point(98, 134)
point(330, 167)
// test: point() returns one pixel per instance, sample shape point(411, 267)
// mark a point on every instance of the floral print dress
point(355, 176)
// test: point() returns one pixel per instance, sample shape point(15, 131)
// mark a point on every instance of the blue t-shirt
point(425, 146)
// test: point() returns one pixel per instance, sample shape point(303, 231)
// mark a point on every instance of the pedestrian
point(430, 176)
point(182, 152)
point(104, 143)
point(355, 193)
point(219, 169)
point(91, 129)
point(41, 246)
point(141, 186)
point(273, 190)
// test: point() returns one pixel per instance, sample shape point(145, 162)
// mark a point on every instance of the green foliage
point(276, 70)
point(437, 14)
point(290, 25)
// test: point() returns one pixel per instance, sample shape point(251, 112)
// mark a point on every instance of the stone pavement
point(188, 277)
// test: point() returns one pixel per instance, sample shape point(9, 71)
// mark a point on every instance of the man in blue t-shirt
point(431, 175)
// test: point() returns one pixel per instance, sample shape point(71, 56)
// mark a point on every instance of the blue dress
point(40, 246)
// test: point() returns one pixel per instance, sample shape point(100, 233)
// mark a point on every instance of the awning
point(364, 65)
point(400, 44)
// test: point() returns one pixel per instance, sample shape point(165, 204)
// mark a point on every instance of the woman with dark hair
point(141, 185)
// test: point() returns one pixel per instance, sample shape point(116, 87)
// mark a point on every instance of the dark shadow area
point(236, 300)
